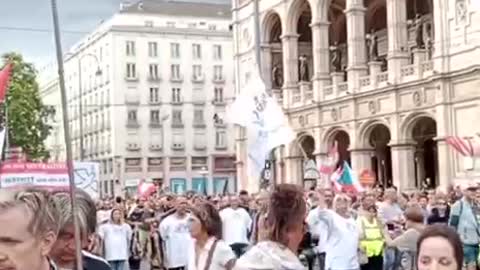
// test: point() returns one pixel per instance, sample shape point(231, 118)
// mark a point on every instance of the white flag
point(264, 120)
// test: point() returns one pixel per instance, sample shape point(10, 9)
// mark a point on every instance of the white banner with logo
point(50, 175)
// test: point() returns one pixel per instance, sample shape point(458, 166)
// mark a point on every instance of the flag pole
point(61, 81)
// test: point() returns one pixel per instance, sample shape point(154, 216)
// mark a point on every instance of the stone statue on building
point(372, 43)
point(336, 57)
point(277, 75)
point(429, 41)
point(303, 69)
point(419, 32)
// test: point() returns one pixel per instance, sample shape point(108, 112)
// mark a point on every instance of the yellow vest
point(373, 239)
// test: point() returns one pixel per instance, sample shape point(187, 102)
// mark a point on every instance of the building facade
point(147, 92)
point(50, 94)
point(387, 80)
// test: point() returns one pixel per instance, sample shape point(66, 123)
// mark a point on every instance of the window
point(153, 71)
point(175, 50)
point(199, 163)
point(220, 139)
point(171, 24)
point(175, 72)
point(217, 52)
point(176, 95)
point(212, 27)
point(131, 71)
point(132, 115)
point(130, 48)
point(197, 51)
point(177, 117)
point(178, 164)
point(154, 95)
point(152, 49)
point(197, 72)
point(218, 94)
point(192, 25)
point(155, 116)
point(200, 140)
point(198, 118)
point(217, 73)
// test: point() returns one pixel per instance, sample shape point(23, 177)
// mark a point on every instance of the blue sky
point(38, 47)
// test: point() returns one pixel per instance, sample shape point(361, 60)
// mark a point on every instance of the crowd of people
point(283, 228)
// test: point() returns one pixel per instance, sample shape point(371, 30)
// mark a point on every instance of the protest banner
point(49, 175)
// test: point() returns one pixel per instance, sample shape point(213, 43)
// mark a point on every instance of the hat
point(469, 185)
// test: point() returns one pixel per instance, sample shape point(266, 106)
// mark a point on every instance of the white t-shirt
point(319, 229)
point(236, 224)
point(116, 239)
point(221, 255)
point(343, 239)
point(175, 233)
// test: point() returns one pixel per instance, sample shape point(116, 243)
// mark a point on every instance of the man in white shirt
point(175, 233)
point(116, 236)
point(236, 223)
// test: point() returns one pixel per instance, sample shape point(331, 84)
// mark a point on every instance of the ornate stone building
point(387, 79)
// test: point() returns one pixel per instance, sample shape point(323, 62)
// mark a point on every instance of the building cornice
point(171, 31)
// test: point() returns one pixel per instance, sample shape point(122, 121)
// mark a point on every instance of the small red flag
point(4, 79)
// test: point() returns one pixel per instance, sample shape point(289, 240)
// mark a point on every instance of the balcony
point(133, 147)
point(176, 79)
point(178, 146)
point(218, 79)
point(198, 78)
point(155, 147)
point(154, 78)
point(219, 103)
point(131, 78)
point(132, 124)
point(199, 124)
point(155, 124)
point(177, 125)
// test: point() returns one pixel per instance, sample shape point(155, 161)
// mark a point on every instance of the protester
point(439, 248)
point(208, 250)
point(28, 229)
point(342, 234)
point(237, 225)
point(175, 232)
point(464, 219)
point(285, 227)
point(154, 247)
point(405, 245)
point(116, 236)
point(440, 211)
point(371, 238)
point(63, 252)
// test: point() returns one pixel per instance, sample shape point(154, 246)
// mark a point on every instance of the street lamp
point(204, 172)
point(80, 93)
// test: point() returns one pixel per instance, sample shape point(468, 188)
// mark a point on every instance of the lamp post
point(80, 93)
point(204, 172)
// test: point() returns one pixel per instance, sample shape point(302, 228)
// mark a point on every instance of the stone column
point(361, 159)
point(266, 54)
point(290, 67)
point(293, 171)
point(321, 58)
point(419, 56)
point(375, 67)
point(445, 163)
point(357, 64)
point(397, 38)
point(420, 162)
point(403, 170)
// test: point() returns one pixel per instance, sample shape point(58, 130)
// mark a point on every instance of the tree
point(27, 115)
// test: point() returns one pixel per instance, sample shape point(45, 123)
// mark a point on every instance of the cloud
point(74, 15)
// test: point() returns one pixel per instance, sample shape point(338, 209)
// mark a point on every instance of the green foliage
point(27, 115)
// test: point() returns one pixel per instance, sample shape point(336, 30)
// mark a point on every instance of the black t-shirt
point(92, 262)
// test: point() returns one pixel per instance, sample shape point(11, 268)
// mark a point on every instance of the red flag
point(145, 189)
point(4, 79)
